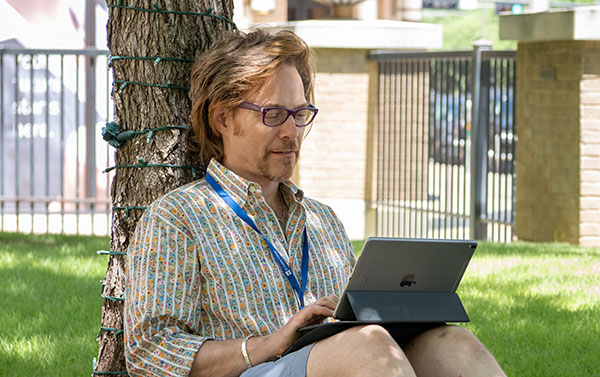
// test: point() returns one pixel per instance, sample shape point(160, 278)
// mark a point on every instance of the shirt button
point(269, 223)
point(252, 189)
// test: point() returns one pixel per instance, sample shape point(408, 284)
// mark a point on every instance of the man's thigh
point(290, 365)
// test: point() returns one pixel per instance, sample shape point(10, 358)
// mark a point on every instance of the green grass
point(535, 306)
point(50, 304)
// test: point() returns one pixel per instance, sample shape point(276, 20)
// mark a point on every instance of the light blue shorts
point(290, 365)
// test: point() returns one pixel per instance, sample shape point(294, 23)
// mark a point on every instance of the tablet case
point(398, 306)
point(403, 314)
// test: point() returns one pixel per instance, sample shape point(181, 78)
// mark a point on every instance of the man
point(224, 271)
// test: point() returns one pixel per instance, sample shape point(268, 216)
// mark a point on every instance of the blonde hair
point(234, 67)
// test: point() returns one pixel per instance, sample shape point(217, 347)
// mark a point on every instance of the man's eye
point(275, 114)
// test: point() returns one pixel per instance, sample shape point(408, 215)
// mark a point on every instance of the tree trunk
point(133, 34)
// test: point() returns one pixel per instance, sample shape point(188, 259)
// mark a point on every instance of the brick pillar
point(558, 126)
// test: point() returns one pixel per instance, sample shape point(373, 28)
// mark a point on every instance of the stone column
point(558, 124)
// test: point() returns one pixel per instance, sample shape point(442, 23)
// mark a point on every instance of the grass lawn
point(536, 306)
point(50, 304)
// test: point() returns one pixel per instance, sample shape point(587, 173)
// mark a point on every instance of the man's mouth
point(284, 153)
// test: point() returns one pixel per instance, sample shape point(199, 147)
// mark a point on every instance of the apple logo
point(408, 280)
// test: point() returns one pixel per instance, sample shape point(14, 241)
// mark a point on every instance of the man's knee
point(359, 349)
point(456, 338)
point(447, 350)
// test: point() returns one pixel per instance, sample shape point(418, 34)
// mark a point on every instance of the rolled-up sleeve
point(162, 296)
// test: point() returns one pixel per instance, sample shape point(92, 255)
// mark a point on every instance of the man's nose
point(289, 129)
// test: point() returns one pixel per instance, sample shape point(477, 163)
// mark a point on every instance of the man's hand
point(310, 315)
point(224, 358)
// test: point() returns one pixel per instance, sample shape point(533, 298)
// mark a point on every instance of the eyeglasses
point(276, 116)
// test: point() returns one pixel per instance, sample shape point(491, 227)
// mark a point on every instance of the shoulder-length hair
point(234, 67)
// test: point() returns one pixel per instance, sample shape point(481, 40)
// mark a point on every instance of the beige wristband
point(245, 351)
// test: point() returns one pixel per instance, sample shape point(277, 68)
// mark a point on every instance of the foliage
point(462, 27)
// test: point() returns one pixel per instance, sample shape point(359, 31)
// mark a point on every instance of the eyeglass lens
point(275, 117)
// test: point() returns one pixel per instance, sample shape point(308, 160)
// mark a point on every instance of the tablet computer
point(407, 265)
point(387, 286)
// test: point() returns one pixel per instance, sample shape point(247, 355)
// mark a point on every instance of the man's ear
point(220, 116)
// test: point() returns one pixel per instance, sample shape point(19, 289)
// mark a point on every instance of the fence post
point(479, 135)
point(90, 102)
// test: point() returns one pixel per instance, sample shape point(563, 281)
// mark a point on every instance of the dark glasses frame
point(265, 110)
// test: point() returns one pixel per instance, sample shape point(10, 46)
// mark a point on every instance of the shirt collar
point(240, 188)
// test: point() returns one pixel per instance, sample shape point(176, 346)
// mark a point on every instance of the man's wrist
point(264, 348)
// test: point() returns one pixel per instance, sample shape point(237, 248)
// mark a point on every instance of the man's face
point(259, 153)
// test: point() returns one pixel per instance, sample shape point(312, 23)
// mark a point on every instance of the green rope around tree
point(110, 252)
point(155, 59)
point(128, 209)
point(110, 329)
point(112, 298)
point(122, 372)
point(110, 373)
point(113, 135)
point(168, 85)
point(145, 164)
point(157, 9)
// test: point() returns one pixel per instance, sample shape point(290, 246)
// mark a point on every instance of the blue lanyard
point(287, 271)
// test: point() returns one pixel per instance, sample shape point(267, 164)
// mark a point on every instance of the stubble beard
point(281, 172)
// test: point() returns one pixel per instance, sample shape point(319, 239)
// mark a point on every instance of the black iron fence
point(53, 104)
point(445, 145)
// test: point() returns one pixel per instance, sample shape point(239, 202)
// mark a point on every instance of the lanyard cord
point(287, 271)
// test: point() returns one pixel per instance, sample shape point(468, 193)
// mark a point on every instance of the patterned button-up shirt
point(196, 271)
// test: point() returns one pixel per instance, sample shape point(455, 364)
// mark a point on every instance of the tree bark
point(137, 33)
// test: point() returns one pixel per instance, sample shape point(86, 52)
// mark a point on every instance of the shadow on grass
point(51, 317)
point(532, 335)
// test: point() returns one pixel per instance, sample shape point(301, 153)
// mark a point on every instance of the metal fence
point(53, 104)
point(445, 145)
point(444, 142)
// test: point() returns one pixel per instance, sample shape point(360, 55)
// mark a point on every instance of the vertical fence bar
point(504, 140)
point(31, 146)
point(379, 149)
point(411, 140)
point(395, 120)
point(447, 141)
point(391, 140)
point(501, 154)
point(90, 134)
point(467, 127)
point(479, 144)
point(62, 142)
point(77, 122)
point(438, 153)
point(422, 168)
point(468, 146)
point(2, 147)
point(17, 143)
point(400, 124)
point(47, 142)
point(454, 146)
point(513, 146)
point(384, 148)
point(492, 159)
